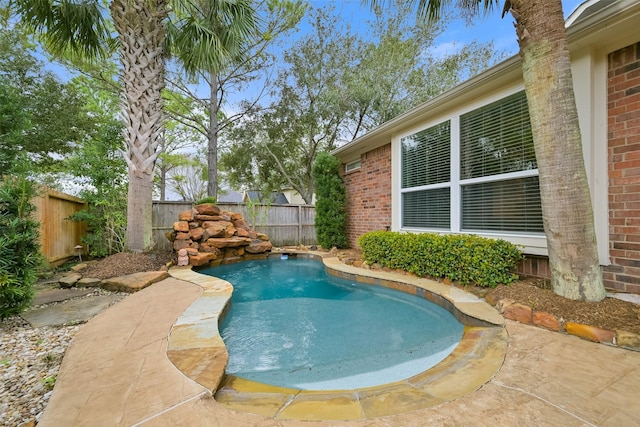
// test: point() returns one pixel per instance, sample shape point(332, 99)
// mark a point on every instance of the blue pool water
point(293, 325)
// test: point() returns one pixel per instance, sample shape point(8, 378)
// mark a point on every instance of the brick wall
point(624, 169)
point(369, 194)
point(534, 266)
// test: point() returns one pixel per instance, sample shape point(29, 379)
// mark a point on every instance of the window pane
point(512, 205)
point(426, 156)
point(497, 139)
point(426, 209)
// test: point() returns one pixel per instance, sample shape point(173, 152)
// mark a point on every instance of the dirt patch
point(610, 313)
point(124, 263)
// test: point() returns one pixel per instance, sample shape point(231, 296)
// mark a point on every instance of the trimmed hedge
point(462, 258)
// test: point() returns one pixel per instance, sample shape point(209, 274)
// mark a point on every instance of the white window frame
point(533, 243)
point(352, 166)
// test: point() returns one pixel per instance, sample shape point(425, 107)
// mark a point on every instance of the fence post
point(299, 224)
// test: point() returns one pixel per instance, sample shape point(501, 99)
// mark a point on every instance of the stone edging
point(195, 346)
point(525, 314)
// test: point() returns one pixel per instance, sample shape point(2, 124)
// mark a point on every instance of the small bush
point(19, 245)
point(207, 199)
point(463, 258)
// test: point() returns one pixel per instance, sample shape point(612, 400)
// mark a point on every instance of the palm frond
point(68, 26)
point(208, 35)
point(433, 10)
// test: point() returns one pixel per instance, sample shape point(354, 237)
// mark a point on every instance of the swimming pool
point(293, 325)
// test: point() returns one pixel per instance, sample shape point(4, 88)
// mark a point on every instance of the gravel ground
point(29, 362)
point(30, 357)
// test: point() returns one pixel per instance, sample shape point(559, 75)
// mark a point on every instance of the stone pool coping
point(196, 348)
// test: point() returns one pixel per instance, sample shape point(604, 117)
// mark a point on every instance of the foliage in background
point(257, 212)
point(98, 167)
point(240, 61)
point(458, 257)
point(188, 178)
point(334, 86)
point(19, 244)
point(331, 202)
point(178, 144)
point(39, 115)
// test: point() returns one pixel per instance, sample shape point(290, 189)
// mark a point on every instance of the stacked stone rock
point(211, 236)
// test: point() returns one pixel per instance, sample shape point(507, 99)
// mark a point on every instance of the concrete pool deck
point(117, 372)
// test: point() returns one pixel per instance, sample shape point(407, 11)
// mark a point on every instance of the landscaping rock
point(88, 282)
point(241, 223)
point(79, 267)
point(229, 242)
point(628, 339)
point(259, 246)
point(134, 282)
point(590, 333)
point(57, 294)
point(181, 244)
point(205, 247)
point(182, 226)
point(78, 310)
point(196, 233)
point(207, 209)
point(209, 233)
point(186, 215)
point(209, 217)
point(518, 312)
point(212, 229)
point(201, 258)
point(491, 299)
point(546, 320)
point(69, 280)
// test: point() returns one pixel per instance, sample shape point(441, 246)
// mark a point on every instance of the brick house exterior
point(605, 51)
point(369, 194)
point(623, 110)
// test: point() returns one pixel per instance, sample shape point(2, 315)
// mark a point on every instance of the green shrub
point(207, 199)
point(331, 202)
point(105, 189)
point(106, 219)
point(463, 258)
point(19, 245)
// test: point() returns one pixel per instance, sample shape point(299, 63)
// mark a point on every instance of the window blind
point(426, 156)
point(427, 209)
point(497, 139)
point(512, 205)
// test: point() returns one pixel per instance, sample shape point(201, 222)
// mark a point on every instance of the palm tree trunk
point(141, 30)
point(564, 189)
point(212, 162)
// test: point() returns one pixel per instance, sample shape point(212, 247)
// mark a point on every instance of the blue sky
point(488, 28)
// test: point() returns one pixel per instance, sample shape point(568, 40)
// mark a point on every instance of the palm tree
point(564, 189)
point(82, 28)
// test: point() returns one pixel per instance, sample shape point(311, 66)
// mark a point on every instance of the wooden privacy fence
point(58, 235)
point(286, 225)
